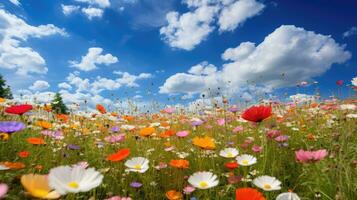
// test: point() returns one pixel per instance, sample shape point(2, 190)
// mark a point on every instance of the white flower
point(127, 127)
point(354, 81)
point(203, 180)
point(351, 115)
point(137, 164)
point(246, 160)
point(229, 152)
point(3, 167)
point(267, 183)
point(288, 196)
point(347, 107)
point(66, 179)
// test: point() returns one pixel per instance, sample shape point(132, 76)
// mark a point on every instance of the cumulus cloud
point(100, 3)
point(13, 32)
point(350, 32)
point(287, 56)
point(39, 85)
point(237, 13)
point(93, 12)
point(93, 58)
point(187, 30)
point(65, 86)
point(69, 9)
point(15, 2)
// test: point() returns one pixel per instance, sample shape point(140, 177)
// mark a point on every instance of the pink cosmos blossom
point(282, 138)
point(238, 129)
point(188, 189)
point(273, 133)
point(169, 110)
point(221, 122)
point(3, 190)
point(182, 133)
point(257, 148)
point(310, 156)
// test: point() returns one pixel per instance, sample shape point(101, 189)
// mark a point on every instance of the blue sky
point(178, 49)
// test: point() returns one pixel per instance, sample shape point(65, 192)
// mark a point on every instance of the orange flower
point(168, 133)
point(47, 107)
point(62, 117)
point(147, 131)
point(164, 124)
point(310, 136)
point(174, 195)
point(44, 124)
point(34, 140)
point(248, 194)
point(13, 165)
point(119, 155)
point(180, 163)
point(2, 100)
point(204, 142)
point(128, 118)
point(231, 165)
point(114, 114)
point(24, 154)
point(101, 108)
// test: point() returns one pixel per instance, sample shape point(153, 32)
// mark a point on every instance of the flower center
point(230, 155)
point(203, 184)
point(138, 167)
point(73, 184)
point(39, 193)
point(267, 186)
point(245, 162)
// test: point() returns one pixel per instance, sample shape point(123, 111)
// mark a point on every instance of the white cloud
point(100, 3)
point(204, 68)
point(93, 58)
point(69, 9)
point(13, 56)
point(39, 85)
point(93, 12)
point(287, 56)
point(65, 86)
point(237, 13)
point(189, 29)
point(350, 32)
point(15, 2)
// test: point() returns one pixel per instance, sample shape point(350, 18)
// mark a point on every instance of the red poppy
point(248, 194)
point(257, 113)
point(24, 154)
point(18, 109)
point(339, 82)
point(231, 165)
point(119, 155)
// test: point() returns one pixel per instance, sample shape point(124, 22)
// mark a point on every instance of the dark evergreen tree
point(58, 106)
point(5, 91)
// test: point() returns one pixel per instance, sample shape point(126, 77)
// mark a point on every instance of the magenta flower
point(238, 129)
point(182, 133)
point(115, 138)
point(221, 122)
point(257, 148)
point(3, 190)
point(169, 110)
point(282, 138)
point(310, 156)
point(273, 133)
point(188, 189)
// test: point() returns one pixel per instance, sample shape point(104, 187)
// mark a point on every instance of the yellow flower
point(44, 124)
point(2, 100)
point(37, 186)
point(204, 142)
point(4, 136)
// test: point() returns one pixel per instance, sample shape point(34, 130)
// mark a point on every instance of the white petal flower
point(203, 180)
point(137, 164)
point(246, 160)
point(229, 152)
point(288, 196)
point(267, 183)
point(66, 179)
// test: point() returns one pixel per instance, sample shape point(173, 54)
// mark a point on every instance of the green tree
point(5, 91)
point(58, 106)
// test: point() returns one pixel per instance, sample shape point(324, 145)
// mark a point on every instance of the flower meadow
point(271, 150)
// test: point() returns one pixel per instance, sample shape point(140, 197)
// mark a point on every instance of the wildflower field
point(286, 151)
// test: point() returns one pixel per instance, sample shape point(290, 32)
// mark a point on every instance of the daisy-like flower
point(288, 196)
point(246, 160)
point(267, 183)
point(137, 164)
point(229, 152)
point(37, 186)
point(66, 179)
point(203, 180)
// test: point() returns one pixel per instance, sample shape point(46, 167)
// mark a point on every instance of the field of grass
point(84, 138)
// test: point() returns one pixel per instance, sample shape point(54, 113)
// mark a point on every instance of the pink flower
point(257, 148)
point(188, 189)
point(3, 190)
point(238, 129)
point(310, 156)
point(273, 133)
point(221, 122)
point(182, 133)
point(282, 138)
point(118, 198)
point(169, 110)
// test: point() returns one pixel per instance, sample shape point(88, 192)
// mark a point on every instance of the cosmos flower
point(11, 126)
point(248, 194)
point(66, 179)
point(147, 131)
point(257, 113)
point(115, 138)
point(221, 122)
point(137, 164)
point(18, 109)
point(135, 184)
point(169, 110)
point(282, 138)
point(3, 190)
point(288, 196)
point(229, 152)
point(37, 186)
point(267, 183)
point(233, 109)
point(180, 163)
point(182, 133)
point(203, 180)
point(246, 160)
point(204, 142)
point(188, 189)
point(310, 156)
